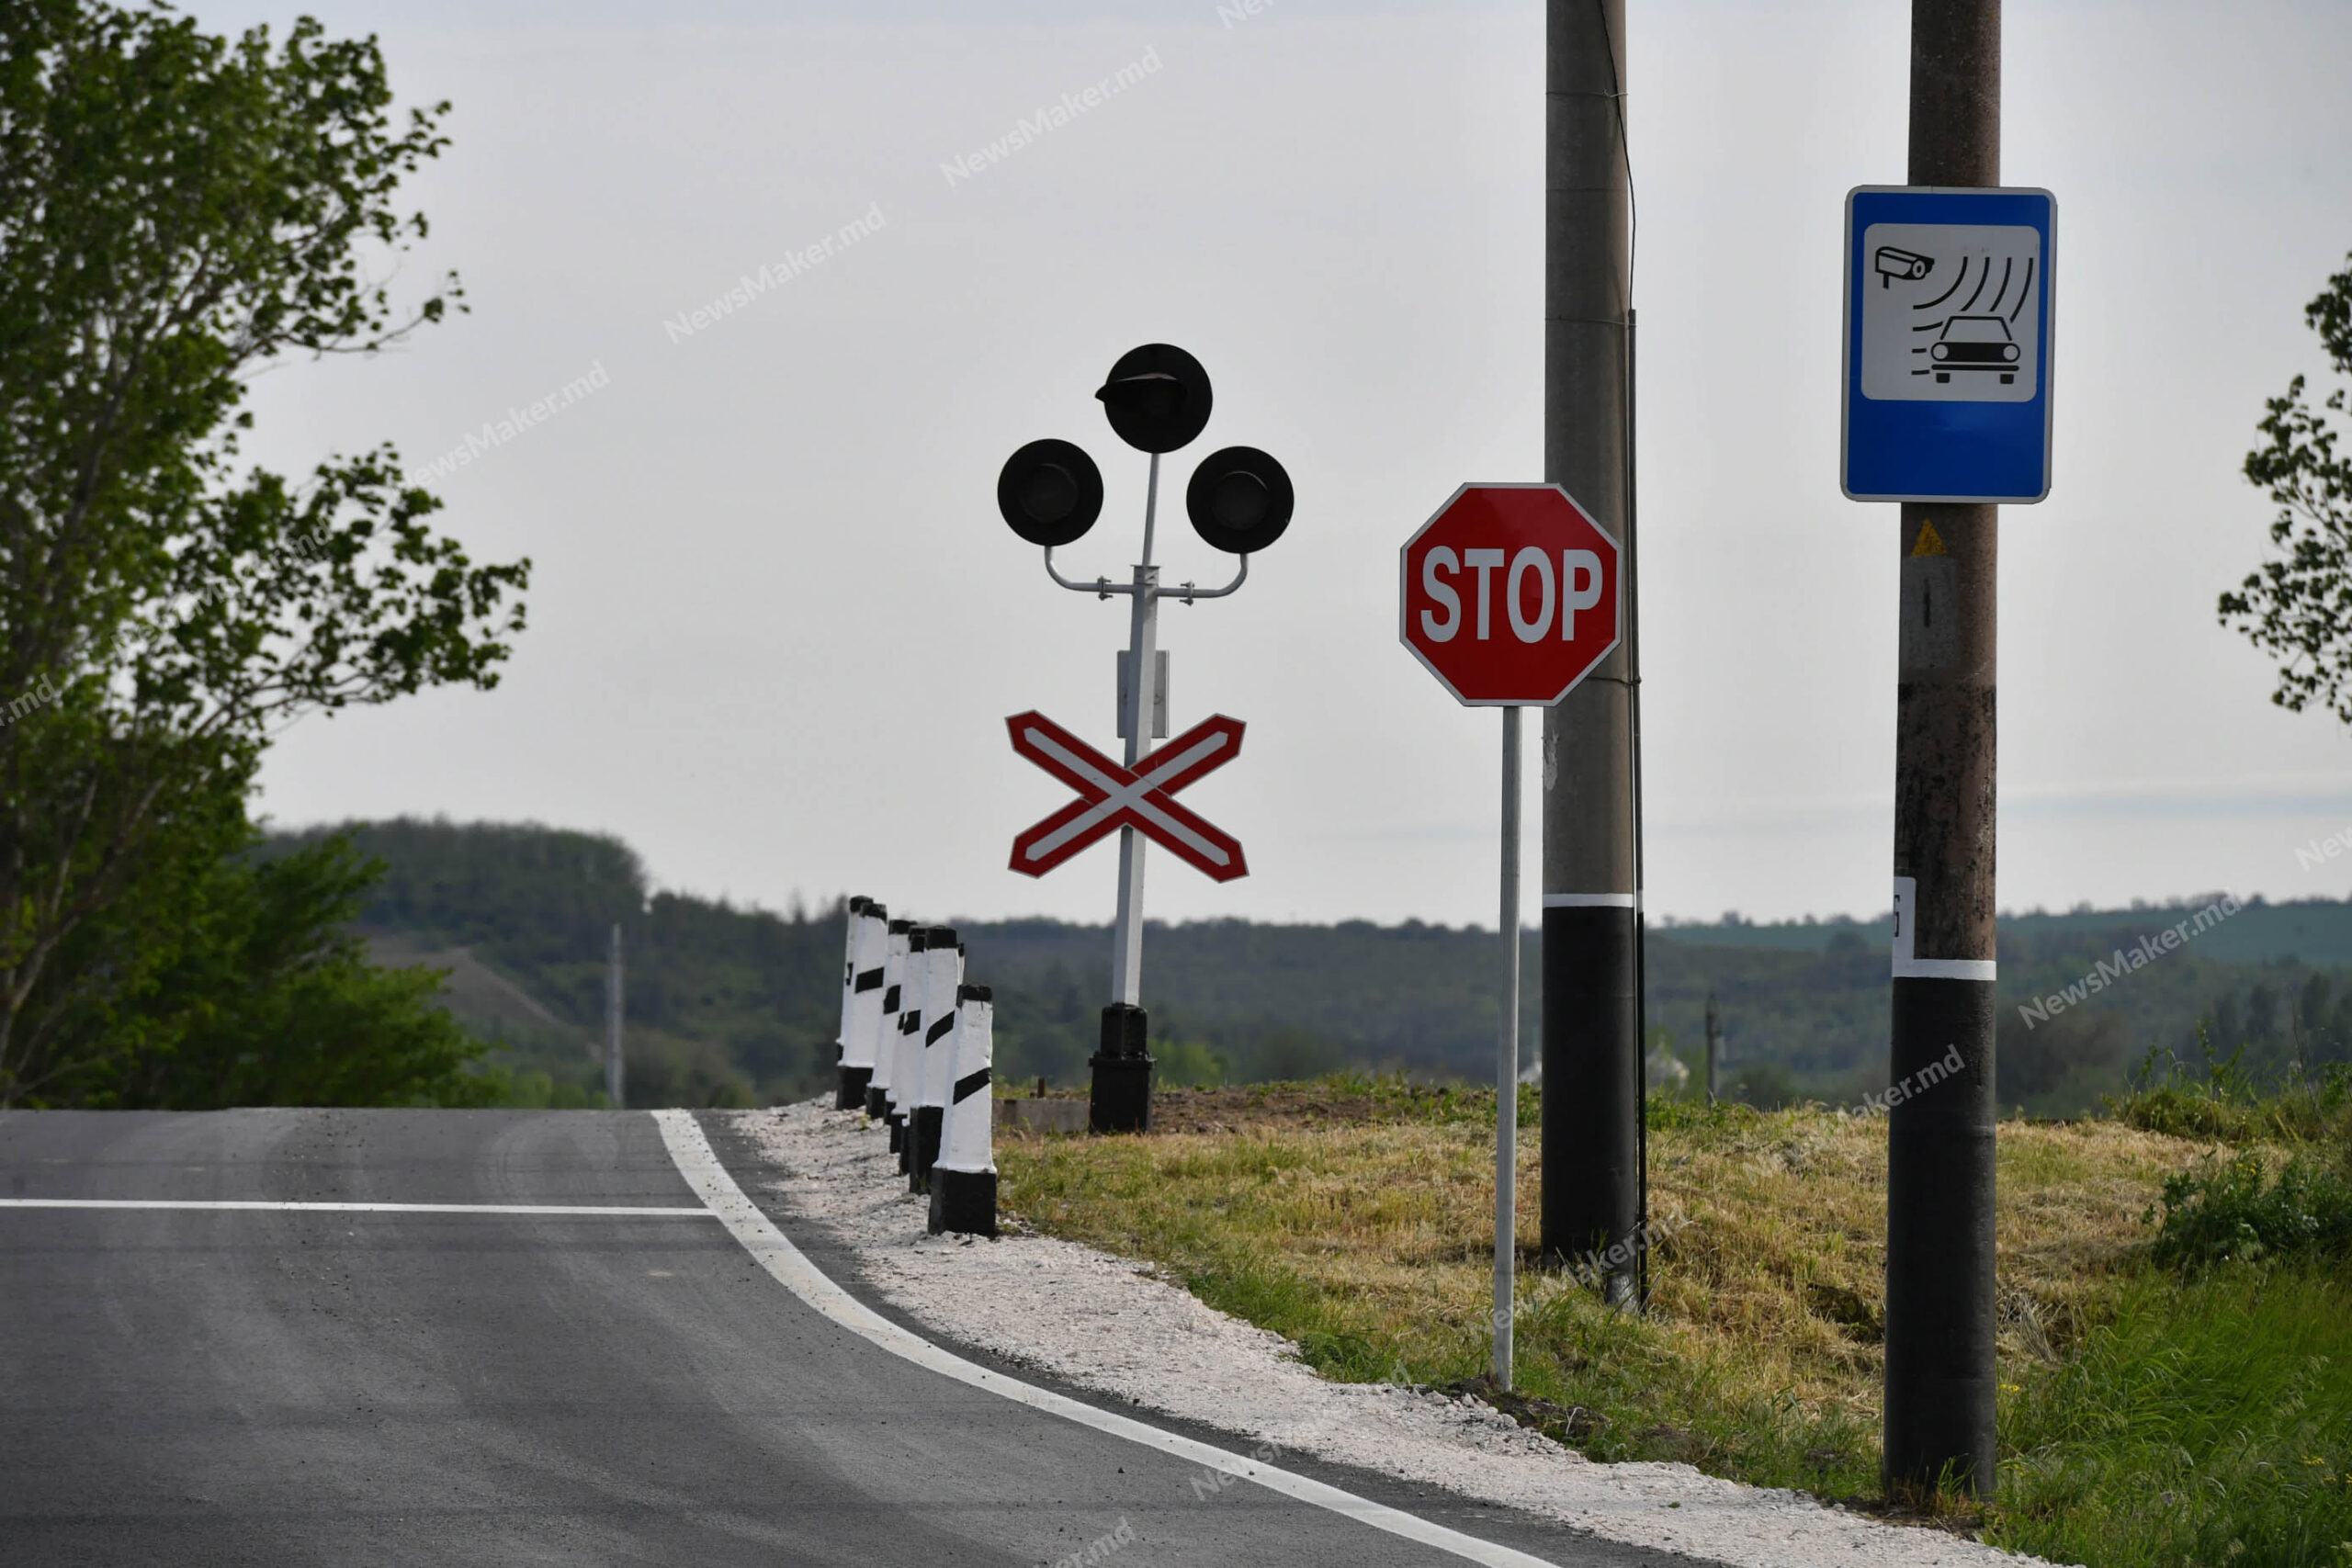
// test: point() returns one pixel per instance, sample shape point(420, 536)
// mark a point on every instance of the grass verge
point(1354, 1216)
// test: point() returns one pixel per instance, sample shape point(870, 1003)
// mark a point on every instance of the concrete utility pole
point(1939, 1279)
point(613, 1019)
point(1591, 1133)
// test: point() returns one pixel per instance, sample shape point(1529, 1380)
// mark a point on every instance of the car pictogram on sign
point(1974, 342)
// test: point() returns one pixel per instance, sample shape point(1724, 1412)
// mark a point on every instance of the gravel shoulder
point(1110, 1326)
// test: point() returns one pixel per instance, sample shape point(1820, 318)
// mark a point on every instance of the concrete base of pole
point(963, 1201)
point(1591, 1198)
point(924, 1130)
point(851, 1095)
point(1121, 1100)
point(1939, 1254)
point(877, 1106)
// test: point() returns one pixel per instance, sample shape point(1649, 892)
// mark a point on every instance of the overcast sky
point(776, 625)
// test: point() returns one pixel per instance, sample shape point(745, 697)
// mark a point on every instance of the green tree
point(267, 998)
point(177, 213)
point(2298, 606)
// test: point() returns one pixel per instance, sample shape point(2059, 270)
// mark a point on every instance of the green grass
point(2170, 1394)
point(2210, 1422)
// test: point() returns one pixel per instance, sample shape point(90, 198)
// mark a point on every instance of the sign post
point(1947, 411)
point(1510, 595)
point(1239, 501)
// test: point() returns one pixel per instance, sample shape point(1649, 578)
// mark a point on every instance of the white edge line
point(234, 1204)
point(770, 1248)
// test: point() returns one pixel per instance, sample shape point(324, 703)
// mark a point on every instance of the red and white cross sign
point(1111, 795)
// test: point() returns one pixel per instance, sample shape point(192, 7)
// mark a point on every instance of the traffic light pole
point(1592, 1126)
point(1143, 660)
point(1120, 1071)
point(1157, 399)
point(1940, 1188)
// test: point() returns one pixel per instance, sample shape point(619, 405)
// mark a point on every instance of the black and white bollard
point(963, 1179)
point(886, 1055)
point(856, 906)
point(861, 1000)
point(943, 973)
point(882, 1021)
point(906, 1064)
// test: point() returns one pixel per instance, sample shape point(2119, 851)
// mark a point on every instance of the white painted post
point(869, 939)
point(943, 973)
point(906, 1047)
point(850, 912)
point(963, 1181)
point(886, 1025)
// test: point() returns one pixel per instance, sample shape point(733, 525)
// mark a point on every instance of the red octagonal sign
point(1510, 595)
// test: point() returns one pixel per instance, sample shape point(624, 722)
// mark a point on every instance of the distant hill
point(2316, 931)
point(737, 1006)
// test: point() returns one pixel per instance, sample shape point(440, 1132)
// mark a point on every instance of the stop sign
point(1510, 595)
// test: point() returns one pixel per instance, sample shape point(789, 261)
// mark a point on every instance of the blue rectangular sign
point(1948, 343)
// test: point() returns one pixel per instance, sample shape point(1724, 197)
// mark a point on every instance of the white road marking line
point(598, 1210)
point(776, 1254)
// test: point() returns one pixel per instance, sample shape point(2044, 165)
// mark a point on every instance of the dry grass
point(1360, 1222)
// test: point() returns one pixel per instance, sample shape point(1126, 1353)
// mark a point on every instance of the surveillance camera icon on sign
point(1890, 264)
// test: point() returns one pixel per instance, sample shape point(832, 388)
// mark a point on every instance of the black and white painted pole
point(943, 972)
point(853, 1049)
point(906, 1051)
point(874, 1014)
point(1157, 399)
point(963, 1179)
point(886, 1055)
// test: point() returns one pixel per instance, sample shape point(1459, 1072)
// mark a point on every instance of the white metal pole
point(1506, 1062)
point(1143, 660)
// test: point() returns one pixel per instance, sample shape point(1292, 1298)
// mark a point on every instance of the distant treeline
point(729, 1005)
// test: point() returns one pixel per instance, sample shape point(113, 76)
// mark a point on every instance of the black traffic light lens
point(1239, 502)
point(1050, 493)
point(1240, 499)
point(1157, 397)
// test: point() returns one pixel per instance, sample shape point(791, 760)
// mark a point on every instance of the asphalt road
point(288, 1387)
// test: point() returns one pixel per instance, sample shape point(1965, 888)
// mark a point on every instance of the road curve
point(486, 1381)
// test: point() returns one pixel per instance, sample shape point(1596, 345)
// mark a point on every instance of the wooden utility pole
point(1939, 1246)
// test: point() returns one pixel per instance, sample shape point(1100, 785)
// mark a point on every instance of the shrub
point(2222, 1212)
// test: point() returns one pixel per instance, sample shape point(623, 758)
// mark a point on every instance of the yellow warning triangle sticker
point(1930, 542)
